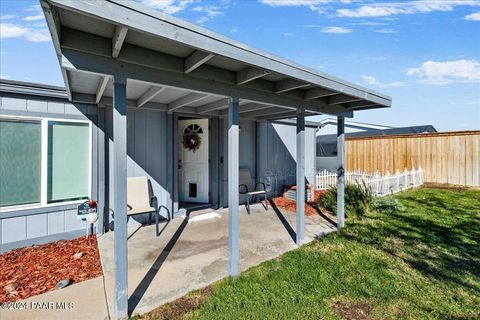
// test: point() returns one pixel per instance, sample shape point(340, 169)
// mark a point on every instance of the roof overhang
point(175, 66)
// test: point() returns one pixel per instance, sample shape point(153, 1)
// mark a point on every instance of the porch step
point(201, 217)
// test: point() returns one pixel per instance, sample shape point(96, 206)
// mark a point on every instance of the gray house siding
point(148, 150)
point(41, 225)
point(276, 156)
point(267, 149)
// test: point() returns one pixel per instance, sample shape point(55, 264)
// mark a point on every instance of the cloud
point(338, 30)
point(34, 18)
point(386, 30)
point(370, 80)
point(168, 6)
point(7, 16)
point(209, 11)
point(373, 81)
point(9, 30)
point(396, 8)
point(293, 3)
point(473, 16)
point(4, 76)
point(439, 73)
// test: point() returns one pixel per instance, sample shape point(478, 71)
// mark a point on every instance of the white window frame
point(44, 162)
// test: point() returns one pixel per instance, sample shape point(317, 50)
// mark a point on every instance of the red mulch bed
point(34, 270)
point(290, 205)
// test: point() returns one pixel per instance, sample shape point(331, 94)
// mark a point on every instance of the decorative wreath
point(191, 141)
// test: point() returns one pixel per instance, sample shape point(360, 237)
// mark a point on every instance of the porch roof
point(176, 66)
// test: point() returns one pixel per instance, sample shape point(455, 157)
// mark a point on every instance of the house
point(137, 83)
point(326, 137)
point(73, 134)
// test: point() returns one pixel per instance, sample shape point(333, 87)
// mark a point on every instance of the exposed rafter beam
point(341, 99)
point(265, 112)
point(167, 71)
point(289, 84)
point(151, 93)
point(101, 88)
point(118, 39)
point(185, 100)
point(252, 107)
point(250, 74)
point(196, 59)
point(318, 93)
point(280, 116)
point(246, 107)
point(216, 105)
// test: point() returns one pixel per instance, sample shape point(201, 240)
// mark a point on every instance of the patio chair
point(246, 188)
point(139, 200)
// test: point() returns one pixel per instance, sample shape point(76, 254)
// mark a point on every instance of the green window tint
point(20, 162)
point(68, 161)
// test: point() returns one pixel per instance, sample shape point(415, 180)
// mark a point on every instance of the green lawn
point(421, 263)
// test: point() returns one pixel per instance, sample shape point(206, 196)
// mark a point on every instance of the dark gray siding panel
point(276, 154)
point(147, 151)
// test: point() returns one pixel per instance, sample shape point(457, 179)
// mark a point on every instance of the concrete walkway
point(185, 257)
point(80, 301)
point(188, 256)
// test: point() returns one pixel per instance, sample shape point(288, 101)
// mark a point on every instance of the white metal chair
point(246, 188)
point(139, 200)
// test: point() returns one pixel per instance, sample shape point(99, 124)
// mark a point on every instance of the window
point(43, 161)
point(193, 128)
point(68, 161)
point(20, 162)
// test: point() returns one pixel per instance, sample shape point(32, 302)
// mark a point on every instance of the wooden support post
point(233, 173)
point(340, 172)
point(300, 175)
point(120, 201)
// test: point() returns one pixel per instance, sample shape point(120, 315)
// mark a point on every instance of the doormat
point(201, 217)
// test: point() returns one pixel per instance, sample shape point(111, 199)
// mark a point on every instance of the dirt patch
point(349, 310)
point(27, 272)
point(447, 186)
point(311, 207)
point(177, 309)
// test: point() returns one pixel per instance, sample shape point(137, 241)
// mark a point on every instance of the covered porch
point(188, 256)
point(127, 58)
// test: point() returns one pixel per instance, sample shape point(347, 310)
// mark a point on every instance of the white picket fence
point(379, 184)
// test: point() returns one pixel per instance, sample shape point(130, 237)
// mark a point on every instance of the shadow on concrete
point(142, 287)
point(323, 215)
point(284, 221)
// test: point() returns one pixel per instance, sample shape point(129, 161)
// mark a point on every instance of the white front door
point(193, 164)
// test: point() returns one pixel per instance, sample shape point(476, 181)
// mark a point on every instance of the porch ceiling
point(176, 66)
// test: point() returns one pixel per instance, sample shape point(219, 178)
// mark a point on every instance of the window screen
point(68, 161)
point(20, 162)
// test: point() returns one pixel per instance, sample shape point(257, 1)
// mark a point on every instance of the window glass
point(68, 161)
point(20, 162)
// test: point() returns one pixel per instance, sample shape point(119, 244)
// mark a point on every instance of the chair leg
point(150, 218)
point(248, 204)
point(266, 202)
point(156, 224)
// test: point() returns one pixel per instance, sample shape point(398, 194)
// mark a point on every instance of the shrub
point(358, 200)
point(387, 205)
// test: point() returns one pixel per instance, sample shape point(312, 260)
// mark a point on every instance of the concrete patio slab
point(189, 256)
point(80, 301)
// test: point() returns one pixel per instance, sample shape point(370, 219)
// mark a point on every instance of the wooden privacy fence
point(379, 184)
point(445, 157)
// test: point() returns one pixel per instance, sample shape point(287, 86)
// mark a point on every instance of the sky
point(423, 54)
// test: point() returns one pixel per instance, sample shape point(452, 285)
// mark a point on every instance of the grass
point(420, 263)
